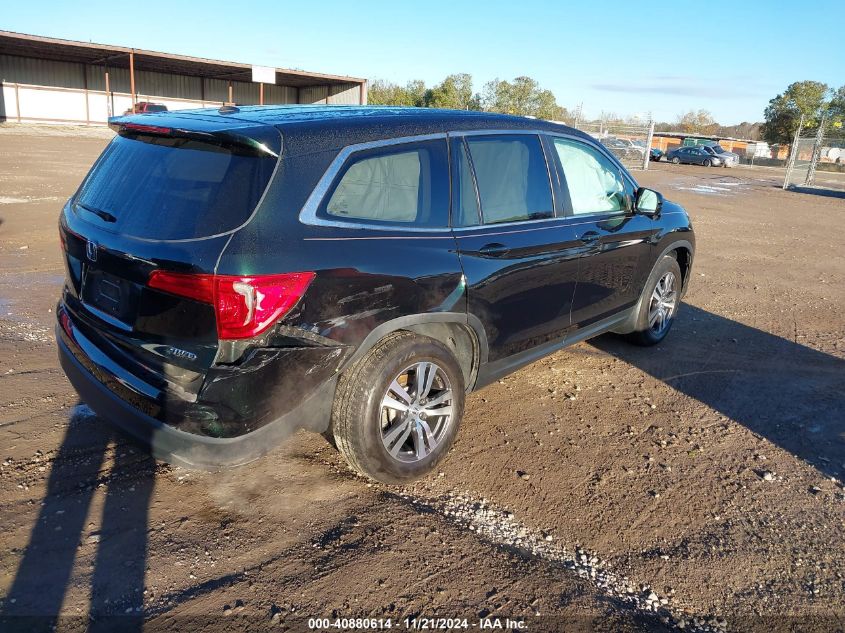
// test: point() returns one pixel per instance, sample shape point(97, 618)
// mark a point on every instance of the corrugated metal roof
point(35, 46)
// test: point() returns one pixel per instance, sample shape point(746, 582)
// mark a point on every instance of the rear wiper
point(103, 215)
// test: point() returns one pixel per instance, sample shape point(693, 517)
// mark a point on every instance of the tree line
point(524, 96)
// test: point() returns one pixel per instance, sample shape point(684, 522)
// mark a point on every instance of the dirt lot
point(694, 485)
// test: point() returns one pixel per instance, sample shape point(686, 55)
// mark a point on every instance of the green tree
point(416, 93)
point(454, 92)
point(836, 114)
point(810, 98)
point(523, 96)
point(383, 92)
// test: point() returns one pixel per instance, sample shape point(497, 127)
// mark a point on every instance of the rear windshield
point(165, 188)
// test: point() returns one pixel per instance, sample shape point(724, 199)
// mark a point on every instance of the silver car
point(729, 159)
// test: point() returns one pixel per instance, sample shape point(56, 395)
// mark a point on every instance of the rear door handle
point(589, 237)
point(494, 250)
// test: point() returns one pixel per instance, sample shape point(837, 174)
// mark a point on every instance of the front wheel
point(707, 162)
point(659, 303)
point(397, 410)
point(676, 160)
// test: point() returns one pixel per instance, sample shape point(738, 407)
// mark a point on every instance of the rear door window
point(512, 177)
point(174, 188)
point(465, 211)
point(406, 184)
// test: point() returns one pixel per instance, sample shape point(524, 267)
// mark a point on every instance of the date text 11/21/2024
point(417, 624)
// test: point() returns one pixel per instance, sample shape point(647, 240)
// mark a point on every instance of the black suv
point(234, 275)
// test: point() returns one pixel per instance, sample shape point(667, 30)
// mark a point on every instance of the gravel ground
point(696, 485)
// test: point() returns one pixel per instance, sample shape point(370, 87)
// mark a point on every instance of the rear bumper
point(188, 449)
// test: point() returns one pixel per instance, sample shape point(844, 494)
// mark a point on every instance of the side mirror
point(648, 202)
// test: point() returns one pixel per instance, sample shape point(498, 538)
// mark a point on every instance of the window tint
point(512, 177)
point(173, 188)
point(404, 184)
point(594, 182)
point(465, 200)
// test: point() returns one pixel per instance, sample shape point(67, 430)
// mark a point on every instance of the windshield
point(160, 187)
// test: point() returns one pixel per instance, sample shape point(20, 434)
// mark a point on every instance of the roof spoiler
point(219, 139)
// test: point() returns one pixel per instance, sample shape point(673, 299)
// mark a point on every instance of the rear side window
point(165, 188)
point(512, 177)
point(464, 197)
point(404, 184)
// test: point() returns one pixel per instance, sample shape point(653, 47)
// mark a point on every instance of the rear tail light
point(244, 306)
point(65, 322)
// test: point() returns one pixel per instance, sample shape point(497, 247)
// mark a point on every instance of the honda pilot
point(236, 275)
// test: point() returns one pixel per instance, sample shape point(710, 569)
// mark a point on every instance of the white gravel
point(501, 528)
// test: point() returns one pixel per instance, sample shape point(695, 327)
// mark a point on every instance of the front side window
point(594, 182)
point(400, 184)
point(512, 177)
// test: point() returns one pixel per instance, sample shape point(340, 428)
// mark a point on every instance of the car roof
point(324, 127)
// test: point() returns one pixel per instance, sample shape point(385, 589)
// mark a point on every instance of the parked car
point(693, 156)
point(145, 107)
point(236, 275)
point(653, 153)
point(728, 159)
point(623, 149)
point(636, 148)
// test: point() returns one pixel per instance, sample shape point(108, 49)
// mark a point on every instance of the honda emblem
point(91, 249)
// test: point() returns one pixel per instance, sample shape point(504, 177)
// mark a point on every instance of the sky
point(625, 57)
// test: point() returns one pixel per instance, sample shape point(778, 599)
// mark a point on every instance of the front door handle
point(589, 237)
point(494, 250)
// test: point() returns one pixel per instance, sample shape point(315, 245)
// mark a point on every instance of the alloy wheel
point(663, 304)
point(416, 412)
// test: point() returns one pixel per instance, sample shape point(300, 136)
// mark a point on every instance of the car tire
point(676, 160)
point(647, 331)
point(707, 162)
point(382, 441)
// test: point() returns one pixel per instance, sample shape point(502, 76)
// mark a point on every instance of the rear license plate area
point(111, 295)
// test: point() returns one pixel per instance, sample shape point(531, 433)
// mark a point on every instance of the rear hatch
point(162, 197)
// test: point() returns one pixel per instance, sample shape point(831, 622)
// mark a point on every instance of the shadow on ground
point(819, 191)
point(789, 393)
point(65, 525)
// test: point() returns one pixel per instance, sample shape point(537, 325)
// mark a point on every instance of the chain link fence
point(629, 142)
point(816, 158)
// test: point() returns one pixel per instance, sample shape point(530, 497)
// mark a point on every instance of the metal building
point(49, 80)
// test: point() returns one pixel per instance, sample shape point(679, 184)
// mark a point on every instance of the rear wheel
point(397, 410)
point(659, 304)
